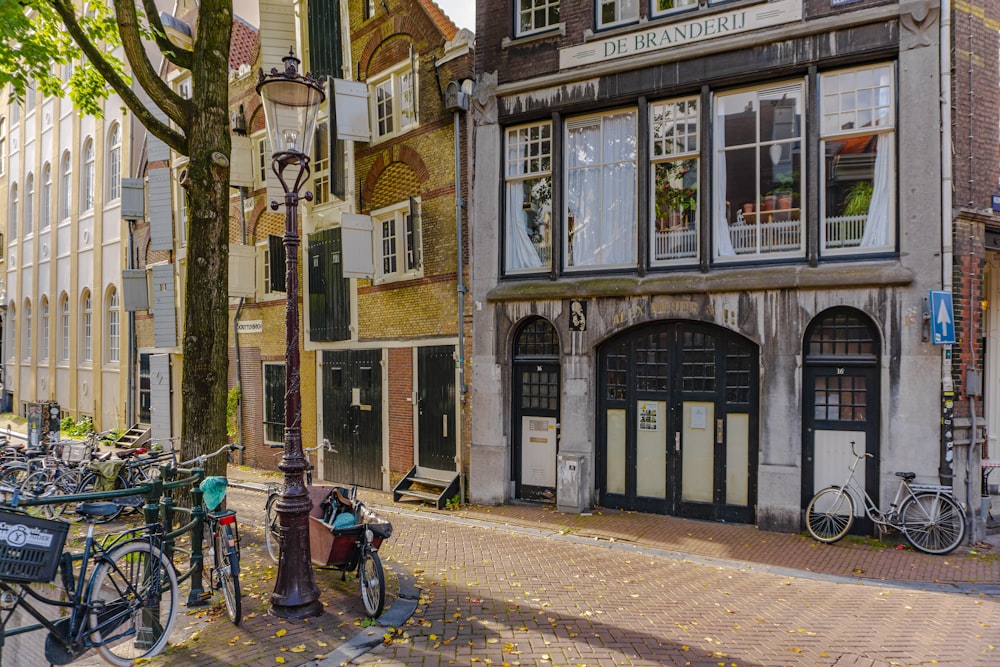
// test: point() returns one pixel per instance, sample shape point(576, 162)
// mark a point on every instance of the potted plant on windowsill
point(784, 191)
point(675, 202)
point(859, 198)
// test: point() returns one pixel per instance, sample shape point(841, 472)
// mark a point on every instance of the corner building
point(703, 235)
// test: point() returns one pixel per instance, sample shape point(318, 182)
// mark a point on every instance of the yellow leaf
point(795, 650)
point(279, 660)
point(432, 637)
point(281, 633)
point(298, 649)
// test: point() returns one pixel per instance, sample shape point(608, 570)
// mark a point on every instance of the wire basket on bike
point(30, 547)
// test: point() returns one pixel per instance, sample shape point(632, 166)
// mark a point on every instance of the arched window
point(114, 329)
point(66, 186)
point(12, 328)
point(64, 328)
point(43, 331)
point(3, 146)
point(12, 215)
point(26, 339)
point(29, 204)
point(86, 327)
point(45, 203)
point(87, 182)
point(115, 163)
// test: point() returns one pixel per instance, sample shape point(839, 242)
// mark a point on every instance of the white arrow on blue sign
point(942, 317)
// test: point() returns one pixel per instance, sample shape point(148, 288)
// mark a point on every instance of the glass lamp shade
point(291, 103)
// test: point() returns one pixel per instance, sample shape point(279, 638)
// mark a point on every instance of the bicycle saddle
point(908, 476)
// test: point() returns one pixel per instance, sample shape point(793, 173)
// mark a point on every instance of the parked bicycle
point(222, 532)
point(929, 516)
point(122, 601)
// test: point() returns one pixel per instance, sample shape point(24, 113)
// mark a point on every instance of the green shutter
point(276, 257)
point(324, 38)
point(329, 291)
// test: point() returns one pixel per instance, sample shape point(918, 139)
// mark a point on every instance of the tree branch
point(180, 57)
point(176, 140)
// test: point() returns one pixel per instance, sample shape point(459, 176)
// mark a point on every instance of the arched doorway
point(841, 403)
point(536, 388)
point(678, 422)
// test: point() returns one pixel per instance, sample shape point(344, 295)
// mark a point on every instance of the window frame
point(271, 403)
point(28, 211)
point(64, 325)
point(66, 187)
point(720, 151)
point(114, 188)
point(528, 156)
point(3, 145)
point(393, 76)
point(568, 225)
point(619, 7)
point(43, 331)
point(546, 6)
point(87, 178)
point(885, 150)
point(12, 212)
point(87, 327)
point(26, 334)
point(321, 164)
point(113, 317)
point(45, 203)
point(681, 6)
point(669, 232)
point(406, 240)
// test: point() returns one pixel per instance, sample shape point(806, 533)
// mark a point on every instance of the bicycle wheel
point(372, 583)
point(133, 603)
point(830, 514)
point(272, 528)
point(46, 484)
point(933, 523)
point(12, 475)
point(227, 569)
point(88, 484)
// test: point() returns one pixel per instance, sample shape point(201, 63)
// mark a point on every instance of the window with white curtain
point(612, 13)
point(858, 160)
point(115, 163)
point(600, 211)
point(87, 182)
point(43, 331)
point(757, 190)
point(673, 128)
point(114, 329)
point(529, 198)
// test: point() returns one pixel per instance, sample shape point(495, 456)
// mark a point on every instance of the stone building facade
point(704, 240)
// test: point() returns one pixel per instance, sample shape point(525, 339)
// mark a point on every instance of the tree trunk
point(206, 301)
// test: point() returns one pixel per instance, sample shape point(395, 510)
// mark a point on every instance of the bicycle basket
point(73, 452)
point(30, 547)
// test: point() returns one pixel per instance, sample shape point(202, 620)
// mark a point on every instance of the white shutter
point(161, 218)
point(356, 238)
point(241, 163)
point(164, 307)
point(159, 397)
point(351, 100)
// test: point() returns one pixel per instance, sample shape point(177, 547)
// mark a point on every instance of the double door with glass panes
point(678, 422)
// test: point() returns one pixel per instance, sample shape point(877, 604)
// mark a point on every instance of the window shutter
point(161, 219)
point(324, 38)
point(329, 290)
point(413, 259)
point(164, 308)
point(159, 397)
point(276, 251)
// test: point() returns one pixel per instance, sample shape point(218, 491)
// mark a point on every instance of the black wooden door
point(352, 416)
point(436, 428)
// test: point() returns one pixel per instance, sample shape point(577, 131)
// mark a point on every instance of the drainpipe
point(945, 468)
point(457, 101)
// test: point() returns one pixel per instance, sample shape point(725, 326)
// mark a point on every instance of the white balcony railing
point(770, 236)
point(675, 244)
point(844, 231)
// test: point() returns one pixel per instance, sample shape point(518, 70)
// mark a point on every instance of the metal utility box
point(43, 422)
point(571, 484)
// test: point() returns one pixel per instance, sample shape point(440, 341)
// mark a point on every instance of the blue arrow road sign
point(942, 317)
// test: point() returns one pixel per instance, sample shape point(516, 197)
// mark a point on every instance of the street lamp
point(291, 102)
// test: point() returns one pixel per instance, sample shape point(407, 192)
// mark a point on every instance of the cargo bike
point(344, 534)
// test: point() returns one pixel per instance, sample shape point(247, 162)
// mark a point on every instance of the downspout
point(945, 468)
point(236, 338)
point(457, 101)
point(130, 413)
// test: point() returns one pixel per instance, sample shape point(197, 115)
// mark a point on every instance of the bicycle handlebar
point(200, 460)
point(324, 444)
point(862, 455)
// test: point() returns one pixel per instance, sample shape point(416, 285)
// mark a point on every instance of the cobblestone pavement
point(495, 596)
point(525, 585)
